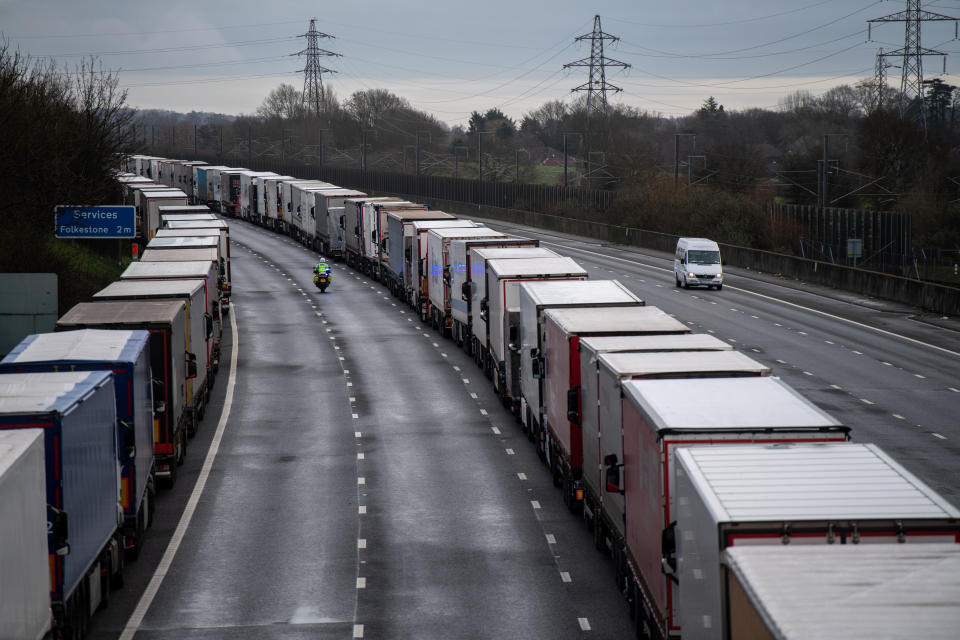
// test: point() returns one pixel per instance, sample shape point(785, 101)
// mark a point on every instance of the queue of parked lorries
point(629, 410)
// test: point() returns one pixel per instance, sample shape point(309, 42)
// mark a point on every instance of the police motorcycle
point(322, 277)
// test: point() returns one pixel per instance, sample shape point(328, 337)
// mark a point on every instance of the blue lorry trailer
point(78, 415)
point(127, 354)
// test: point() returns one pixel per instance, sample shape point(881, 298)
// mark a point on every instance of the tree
point(370, 106)
point(477, 123)
point(711, 106)
point(284, 102)
point(938, 98)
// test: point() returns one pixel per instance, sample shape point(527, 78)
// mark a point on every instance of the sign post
point(106, 221)
point(854, 249)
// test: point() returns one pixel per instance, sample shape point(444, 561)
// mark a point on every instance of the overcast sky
point(450, 58)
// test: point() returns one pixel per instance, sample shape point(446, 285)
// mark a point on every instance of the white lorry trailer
point(803, 494)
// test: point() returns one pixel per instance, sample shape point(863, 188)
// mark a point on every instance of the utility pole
point(572, 133)
point(480, 166)
point(597, 86)
point(194, 140)
point(249, 147)
point(312, 97)
point(825, 169)
point(220, 155)
point(363, 155)
point(417, 157)
point(456, 160)
point(517, 164)
point(676, 154)
point(320, 152)
point(911, 78)
point(283, 147)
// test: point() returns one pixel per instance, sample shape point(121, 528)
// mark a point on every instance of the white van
point(696, 262)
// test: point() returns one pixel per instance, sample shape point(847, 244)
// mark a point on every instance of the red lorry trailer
point(658, 417)
point(559, 439)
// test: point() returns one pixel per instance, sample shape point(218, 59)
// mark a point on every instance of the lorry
point(127, 354)
point(186, 178)
point(249, 193)
point(435, 301)
point(353, 245)
point(473, 290)
point(303, 213)
point(801, 495)
point(272, 198)
point(217, 289)
point(204, 328)
point(227, 187)
point(400, 226)
point(376, 226)
point(855, 592)
point(415, 253)
point(328, 205)
point(25, 579)
point(525, 332)
point(555, 424)
point(206, 228)
point(77, 412)
point(461, 284)
point(501, 297)
point(205, 179)
point(173, 367)
point(637, 470)
point(290, 221)
point(148, 211)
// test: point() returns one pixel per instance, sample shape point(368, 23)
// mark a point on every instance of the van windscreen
point(703, 257)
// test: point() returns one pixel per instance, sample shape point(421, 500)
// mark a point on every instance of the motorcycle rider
point(322, 269)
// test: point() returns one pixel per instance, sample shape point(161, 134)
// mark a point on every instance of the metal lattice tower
point(911, 79)
point(597, 86)
point(880, 79)
point(313, 98)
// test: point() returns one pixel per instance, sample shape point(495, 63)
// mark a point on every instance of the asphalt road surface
point(367, 483)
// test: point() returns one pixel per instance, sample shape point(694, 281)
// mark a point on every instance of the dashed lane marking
point(898, 416)
point(565, 576)
point(917, 375)
point(937, 435)
point(551, 539)
point(361, 583)
point(360, 456)
point(473, 395)
point(357, 434)
point(361, 481)
point(807, 373)
point(535, 504)
point(584, 624)
point(781, 361)
point(362, 509)
point(522, 476)
point(510, 452)
point(361, 543)
point(483, 412)
point(358, 631)
point(495, 430)
point(865, 401)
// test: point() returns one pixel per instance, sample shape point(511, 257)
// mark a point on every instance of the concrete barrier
point(937, 298)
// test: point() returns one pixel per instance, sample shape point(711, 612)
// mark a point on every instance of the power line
point(312, 96)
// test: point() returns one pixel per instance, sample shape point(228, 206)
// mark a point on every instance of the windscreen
point(703, 257)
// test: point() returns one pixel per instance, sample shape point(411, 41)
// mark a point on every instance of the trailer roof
point(852, 591)
point(724, 403)
point(465, 232)
point(666, 342)
point(827, 481)
point(13, 444)
point(183, 242)
point(493, 253)
point(423, 225)
point(185, 209)
point(164, 194)
point(196, 224)
point(26, 393)
point(588, 320)
point(419, 214)
point(204, 254)
point(189, 269)
point(83, 345)
point(124, 313)
point(191, 231)
point(577, 292)
point(533, 267)
point(340, 192)
point(143, 289)
point(680, 364)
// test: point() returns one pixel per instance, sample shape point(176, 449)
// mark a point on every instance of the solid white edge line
point(136, 618)
point(772, 299)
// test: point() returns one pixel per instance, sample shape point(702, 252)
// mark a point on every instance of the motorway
point(368, 483)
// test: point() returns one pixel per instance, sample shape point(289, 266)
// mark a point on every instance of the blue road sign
point(108, 221)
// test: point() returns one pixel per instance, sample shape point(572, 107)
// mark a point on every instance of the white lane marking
point(361, 543)
point(802, 333)
point(829, 342)
point(361, 583)
point(362, 509)
point(535, 504)
point(435, 344)
point(565, 576)
point(551, 539)
point(466, 380)
point(731, 339)
point(781, 361)
point(443, 354)
point(483, 412)
point(772, 299)
point(807, 373)
point(349, 384)
point(584, 624)
point(509, 452)
point(346, 370)
point(522, 476)
point(357, 434)
point(937, 435)
point(859, 353)
point(777, 324)
point(954, 389)
point(473, 395)
point(358, 631)
point(456, 368)
point(361, 481)
point(495, 430)
point(865, 401)
point(361, 456)
point(898, 416)
point(755, 350)
point(353, 398)
point(356, 416)
point(887, 364)
point(710, 331)
point(426, 335)
point(917, 375)
point(755, 317)
point(836, 386)
point(337, 348)
point(143, 605)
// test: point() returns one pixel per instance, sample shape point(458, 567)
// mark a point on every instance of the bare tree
point(283, 102)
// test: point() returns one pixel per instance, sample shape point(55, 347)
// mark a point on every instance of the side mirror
point(514, 334)
point(537, 366)
point(406, 254)
point(573, 405)
point(613, 473)
point(668, 552)
point(57, 526)
point(484, 308)
point(373, 236)
point(191, 365)
point(312, 216)
point(465, 290)
point(215, 309)
point(356, 230)
point(208, 325)
point(129, 442)
point(341, 223)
